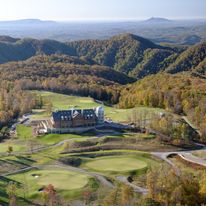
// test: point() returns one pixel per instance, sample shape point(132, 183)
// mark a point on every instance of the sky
point(63, 10)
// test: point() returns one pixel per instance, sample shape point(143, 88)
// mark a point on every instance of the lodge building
point(73, 120)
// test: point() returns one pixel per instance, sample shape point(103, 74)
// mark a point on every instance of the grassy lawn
point(116, 164)
point(62, 180)
point(61, 101)
point(50, 139)
point(16, 147)
point(24, 132)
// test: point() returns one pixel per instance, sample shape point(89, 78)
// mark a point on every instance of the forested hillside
point(99, 68)
point(66, 75)
point(180, 93)
point(126, 53)
point(26, 48)
point(193, 59)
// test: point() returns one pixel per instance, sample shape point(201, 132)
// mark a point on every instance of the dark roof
point(70, 114)
point(62, 115)
point(88, 113)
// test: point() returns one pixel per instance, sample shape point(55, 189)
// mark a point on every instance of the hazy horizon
point(105, 20)
point(99, 10)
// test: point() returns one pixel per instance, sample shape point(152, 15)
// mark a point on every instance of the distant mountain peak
point(27, 21)
point(32, 21)
point(4, 38)
point(158, 20)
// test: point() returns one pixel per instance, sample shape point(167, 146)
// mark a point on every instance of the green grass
point(116, 164)
point(61, 101)
point(51, 139)
point(16, 147)
point(62, 180)
point(24, 132)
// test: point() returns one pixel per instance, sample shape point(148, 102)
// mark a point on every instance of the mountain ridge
point(126, 53)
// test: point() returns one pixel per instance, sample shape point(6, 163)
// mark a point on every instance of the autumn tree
point(11, 191)
point(9, 150)
point(127, 196)
point(50, 195)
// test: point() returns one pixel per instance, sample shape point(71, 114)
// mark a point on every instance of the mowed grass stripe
point(116, 164)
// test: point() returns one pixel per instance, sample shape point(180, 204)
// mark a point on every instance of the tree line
point(13, 102)
point(49, 73)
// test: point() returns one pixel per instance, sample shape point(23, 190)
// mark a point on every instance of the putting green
point(116, 164)
point(60, 179)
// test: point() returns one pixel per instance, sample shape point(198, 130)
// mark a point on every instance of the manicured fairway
point(60, 179)
point(60, 101)
point(116, 164)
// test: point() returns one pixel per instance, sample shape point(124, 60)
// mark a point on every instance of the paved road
point(102, 178)
point(98, 176)
point(136, 188)
point(18, 171)
point(186, 155)
point(40, 149)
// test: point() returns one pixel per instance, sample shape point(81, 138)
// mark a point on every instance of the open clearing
point(116, 164)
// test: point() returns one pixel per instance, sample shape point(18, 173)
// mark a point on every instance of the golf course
point(62, 180)
point(74, 164)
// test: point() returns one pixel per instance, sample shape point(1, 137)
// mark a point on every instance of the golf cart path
point(136, 188)
point(61, 143)
point(100, 177)
point(18, 171)
point(185, 155)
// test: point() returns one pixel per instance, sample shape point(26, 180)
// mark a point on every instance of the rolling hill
point(65, 74)
point(126, 53)
point(193, 59)
point(26, 48)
